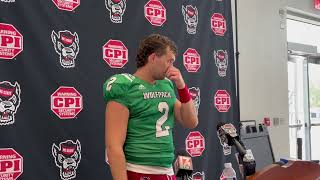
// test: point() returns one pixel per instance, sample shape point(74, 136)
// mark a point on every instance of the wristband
point(184, 94)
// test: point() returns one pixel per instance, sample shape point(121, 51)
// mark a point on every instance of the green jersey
point(149, 138)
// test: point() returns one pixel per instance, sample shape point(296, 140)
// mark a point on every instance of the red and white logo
point(218, 24)
point(66, 5)
point(116, 9)
point(191, 60)
point(67, 46)
point(66, 102)
point(222, 101)
point(221, 60)
point(195, 95)
point(317, 4)
point(198, 176)
point(11, 41)
point(11, 164)
point(67, 157)
point(190, 15)
point(10, 100)
point(195, 144)
point(115, 53)
point(155, 12)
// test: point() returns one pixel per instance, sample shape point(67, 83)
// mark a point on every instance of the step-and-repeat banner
point(55, 56)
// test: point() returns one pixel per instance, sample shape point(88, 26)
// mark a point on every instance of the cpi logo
point(218, 24)
point(11, 41)
point(222, 101)
point(66, 5)
point(195, 144)
point(191, 60)
point(66, 102)
point(11, 164)
point(115, 54)
point(155, 12)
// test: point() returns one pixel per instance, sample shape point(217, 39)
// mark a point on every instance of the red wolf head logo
point(116, 9)
point(67, 157)
point(9, 102)
point(221, 59)
point(66, 45)
point(195, 95)
point(190, 15)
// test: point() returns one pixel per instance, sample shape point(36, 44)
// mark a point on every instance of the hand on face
point(174, 75)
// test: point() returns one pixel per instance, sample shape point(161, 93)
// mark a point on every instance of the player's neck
point(144, 74)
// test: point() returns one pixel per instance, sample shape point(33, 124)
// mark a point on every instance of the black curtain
point(55, 56)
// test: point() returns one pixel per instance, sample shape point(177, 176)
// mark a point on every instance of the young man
point(140, 113)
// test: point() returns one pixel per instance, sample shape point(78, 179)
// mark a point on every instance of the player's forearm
point(188, 115)
point(117, 163)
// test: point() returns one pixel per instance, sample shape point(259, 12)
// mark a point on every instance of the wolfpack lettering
point(155, 95)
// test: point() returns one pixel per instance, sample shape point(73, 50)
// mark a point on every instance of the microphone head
point(220, 124)
point(227, 133)
point(183, 163)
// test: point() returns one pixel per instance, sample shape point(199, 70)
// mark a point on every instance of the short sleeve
point(115, 89)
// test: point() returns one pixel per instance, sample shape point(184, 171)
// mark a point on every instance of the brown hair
point(154, 43)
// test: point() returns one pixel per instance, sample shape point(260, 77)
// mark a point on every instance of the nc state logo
point(197, 176)
point(67, 157)
point(116, 9)
point(9, 102)
point(66, 45)
point(190, 15)
point(195, 95)
point(224, 142)
point(221, 60)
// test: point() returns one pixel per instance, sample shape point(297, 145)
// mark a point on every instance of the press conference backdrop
point(56, 55)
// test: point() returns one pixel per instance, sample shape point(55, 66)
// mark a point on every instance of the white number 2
point(160, 131)
point(109, 85)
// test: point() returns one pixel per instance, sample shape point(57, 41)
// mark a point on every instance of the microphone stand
point(242, 152)
point(248, 168)
point(244, 173)
point(184, 177)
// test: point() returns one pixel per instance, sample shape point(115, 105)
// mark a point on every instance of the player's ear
point(152, 58)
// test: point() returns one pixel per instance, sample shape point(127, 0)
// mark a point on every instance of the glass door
point(314, 100)
point(298, 107)
point(304, 106)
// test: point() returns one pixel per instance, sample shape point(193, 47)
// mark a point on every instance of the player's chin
point(163, 77)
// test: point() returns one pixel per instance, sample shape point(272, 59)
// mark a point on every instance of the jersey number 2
point(162, 131)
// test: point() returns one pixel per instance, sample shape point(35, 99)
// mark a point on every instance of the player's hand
point(174, 75)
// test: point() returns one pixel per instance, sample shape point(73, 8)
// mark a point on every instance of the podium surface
point(293, 170)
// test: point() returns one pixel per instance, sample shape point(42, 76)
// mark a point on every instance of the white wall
point(263, 64)
point(263, 68)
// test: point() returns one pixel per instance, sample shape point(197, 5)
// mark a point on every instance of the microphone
point(229, 132)
point(249, 163)
point(183, 165)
